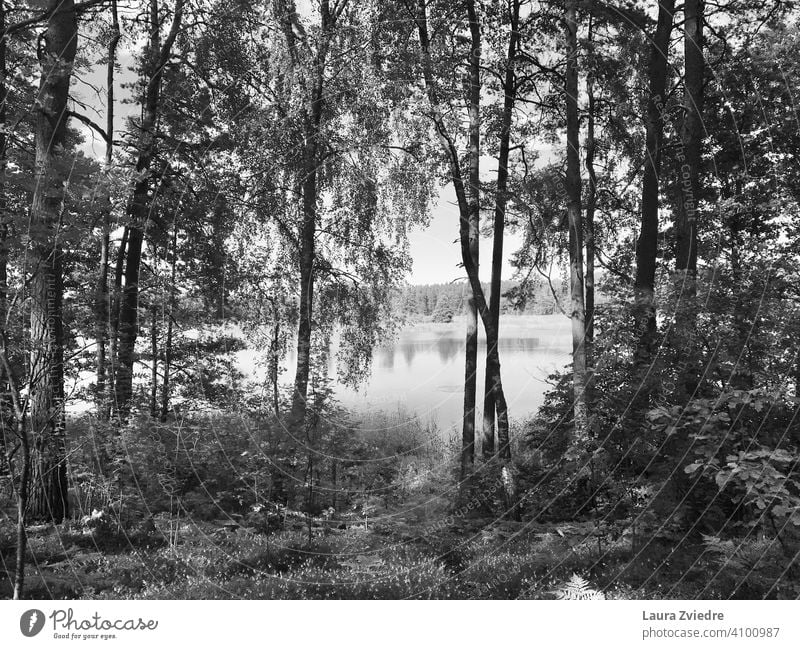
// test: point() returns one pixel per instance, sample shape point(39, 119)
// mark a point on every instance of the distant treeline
point(443, 302)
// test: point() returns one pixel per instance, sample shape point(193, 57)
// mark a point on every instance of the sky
point(435, 250)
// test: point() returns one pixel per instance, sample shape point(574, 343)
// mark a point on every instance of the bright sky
point(437, 254)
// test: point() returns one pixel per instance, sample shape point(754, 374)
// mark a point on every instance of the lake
point(421, 373)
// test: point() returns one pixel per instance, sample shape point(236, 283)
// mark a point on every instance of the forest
point(188, 183)
point(443, 302)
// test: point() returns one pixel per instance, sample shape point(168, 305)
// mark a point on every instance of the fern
point(745, 555)
point(577, 587)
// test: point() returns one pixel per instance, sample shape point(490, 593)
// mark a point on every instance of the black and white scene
point(399, 299)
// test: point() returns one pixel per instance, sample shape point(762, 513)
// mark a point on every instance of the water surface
point(422, 372)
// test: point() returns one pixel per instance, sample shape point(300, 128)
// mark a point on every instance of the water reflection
point(423, 370)
point(447, 347)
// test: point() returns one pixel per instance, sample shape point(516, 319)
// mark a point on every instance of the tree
point(457, 177)
point(102, 304)
point(647, 244)
point(156, 56)
point(575, 224)
point(690, 157)
point(509, 87)
point(49, 478)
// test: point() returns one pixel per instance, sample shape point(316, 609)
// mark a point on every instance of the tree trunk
point(139, 204)
point(575, 221)
point(647, 244)
point(501, 201)
point(102, 306)
point(165, 386)
point(115, 299)
point(154, 354)
point(307, 240)
point(473, 227)
point(308, 229)
point(691, 139)
point(591, 204)
point(49, 477)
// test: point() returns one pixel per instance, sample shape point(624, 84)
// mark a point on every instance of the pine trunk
point(691, 140)
point(647, 244)
point(48, 501)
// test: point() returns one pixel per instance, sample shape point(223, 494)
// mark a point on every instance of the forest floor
point(415, 550)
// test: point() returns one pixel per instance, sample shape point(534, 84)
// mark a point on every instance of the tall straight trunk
point(48, 500)
point(691, 140)
point(473, 226)
point(154, 354)
point(457, 177)
point(647, 244)
point(139, 205)
point(591, 204)
point(102, 306)
point(575, 221)
point(165, 385)
point(500, 203)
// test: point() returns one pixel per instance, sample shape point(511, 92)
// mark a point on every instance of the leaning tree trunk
point(473, 228)
point(48, 500)
point(575, 221)
point(647, 244)
point(139, 207)
point(501, 201)
point(691, 139)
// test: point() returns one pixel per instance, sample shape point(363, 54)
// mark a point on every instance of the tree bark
point(501, 201)
point(138, 207)
point(165, 385)
point(647, 244)
point(575, 222)
point(473, 226)
point(690, 158)
point(307, 241)
point(591, 204)
point(154, 354)
point(115, 300)
point(48, 500)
